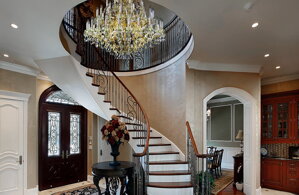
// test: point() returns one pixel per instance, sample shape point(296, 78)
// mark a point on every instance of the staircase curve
point(165, 166)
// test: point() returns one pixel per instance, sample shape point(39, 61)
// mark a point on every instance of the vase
point(239, 186)
point(114, 153)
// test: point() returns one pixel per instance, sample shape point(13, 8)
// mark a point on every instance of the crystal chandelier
point(123, 28)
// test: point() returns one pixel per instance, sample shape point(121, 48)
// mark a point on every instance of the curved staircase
point(168, 172)
point(165, 168)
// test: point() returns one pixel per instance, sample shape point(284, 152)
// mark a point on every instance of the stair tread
point(173, 172)
point(107, 101)
point(161, 153)
point(167, 162)
point(152, 145)
point(137, 130)
point(89, 74)
point(122, 116)
point(134, 124)
point(146, 137)
point(101, 93)
point(170, 184)
point(115, 109)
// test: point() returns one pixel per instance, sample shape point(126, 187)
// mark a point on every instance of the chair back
point(220, 155)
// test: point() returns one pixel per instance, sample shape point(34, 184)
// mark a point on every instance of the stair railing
point(120, 98)
point(197, 165)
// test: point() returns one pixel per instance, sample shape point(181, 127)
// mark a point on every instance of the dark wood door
point(62, 145)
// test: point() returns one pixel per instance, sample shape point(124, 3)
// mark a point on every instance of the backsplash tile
point(278, 150)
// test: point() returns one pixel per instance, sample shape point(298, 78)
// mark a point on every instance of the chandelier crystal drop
point(123, 28)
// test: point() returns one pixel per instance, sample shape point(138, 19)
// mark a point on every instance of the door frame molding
point(252, 134)
point(24, 97)
point(41, 104)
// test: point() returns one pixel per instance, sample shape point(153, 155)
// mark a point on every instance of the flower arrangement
point(115, 131)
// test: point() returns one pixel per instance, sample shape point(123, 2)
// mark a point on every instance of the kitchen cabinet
point(280, 118)
point(280, 174)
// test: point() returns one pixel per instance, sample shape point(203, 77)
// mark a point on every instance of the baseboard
point(31, 191)
point(258, 191)
point(90, 178)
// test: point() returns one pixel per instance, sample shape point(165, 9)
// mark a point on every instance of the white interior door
point(11, 146)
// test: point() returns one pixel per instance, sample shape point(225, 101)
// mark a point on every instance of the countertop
point(277, 158)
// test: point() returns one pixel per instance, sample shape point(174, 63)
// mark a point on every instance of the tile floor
point(266, 191)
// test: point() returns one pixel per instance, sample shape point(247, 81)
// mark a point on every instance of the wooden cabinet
point(280, 118)
point(272, 173)
point(280, 175)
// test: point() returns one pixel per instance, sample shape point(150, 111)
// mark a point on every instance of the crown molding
point(207, 66)
point(23, 70)
point(273, 80)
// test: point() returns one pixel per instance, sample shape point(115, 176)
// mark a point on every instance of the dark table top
point(106, 166)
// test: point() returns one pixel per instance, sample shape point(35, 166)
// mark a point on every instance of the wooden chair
point(213, 164)
point(220, 155)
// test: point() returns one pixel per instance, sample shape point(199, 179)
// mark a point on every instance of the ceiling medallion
point(123, 28)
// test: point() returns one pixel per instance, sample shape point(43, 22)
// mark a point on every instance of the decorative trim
point(273, 80)
point(23, 70)
point(207, 66)
point(31, 191)
point(43, 77)
point(185, 53)
point(251, 133)
point(90, 178)
point(258, 191)
point(21, 97)
point(220, 100)
point(14, 95)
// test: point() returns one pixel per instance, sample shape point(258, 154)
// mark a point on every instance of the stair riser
point(169, 178)
point(168, 167)
point(169, 191)
point(164, 157)
point(137, 134)
point(159, 148)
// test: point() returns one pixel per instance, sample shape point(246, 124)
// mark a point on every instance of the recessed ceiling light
point(14, 26)
point(266, 55)
point(277, 67)
point(6, 55)
point(254, 25)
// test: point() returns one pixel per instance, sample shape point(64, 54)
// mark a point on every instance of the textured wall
point(162, 94)
point(280, 87)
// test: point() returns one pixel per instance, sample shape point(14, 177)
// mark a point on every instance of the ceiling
point(221, 28)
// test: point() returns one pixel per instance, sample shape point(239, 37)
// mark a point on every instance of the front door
point(62, 155)
point(11, 146)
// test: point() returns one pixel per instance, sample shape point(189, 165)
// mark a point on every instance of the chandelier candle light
point(123, 28)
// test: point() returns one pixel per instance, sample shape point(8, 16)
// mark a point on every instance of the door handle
point(67, 154)
point(20, 161)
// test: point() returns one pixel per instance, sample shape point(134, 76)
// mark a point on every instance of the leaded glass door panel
point(62, 140)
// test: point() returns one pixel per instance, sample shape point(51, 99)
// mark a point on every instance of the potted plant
point(239, 178)
point(209, 182)
point(115, 132)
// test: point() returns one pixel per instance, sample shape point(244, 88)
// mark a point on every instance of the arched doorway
point(62, 140)
point(251, 135)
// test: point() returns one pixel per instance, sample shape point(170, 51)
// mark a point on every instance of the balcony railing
point(177, 37)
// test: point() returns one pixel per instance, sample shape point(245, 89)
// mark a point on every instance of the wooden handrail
point(145, 116)
point(194, 144)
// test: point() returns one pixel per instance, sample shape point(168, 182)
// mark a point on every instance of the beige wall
point(162, 94)
point(280, 87)
point(17, 82)
point(201, 83)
